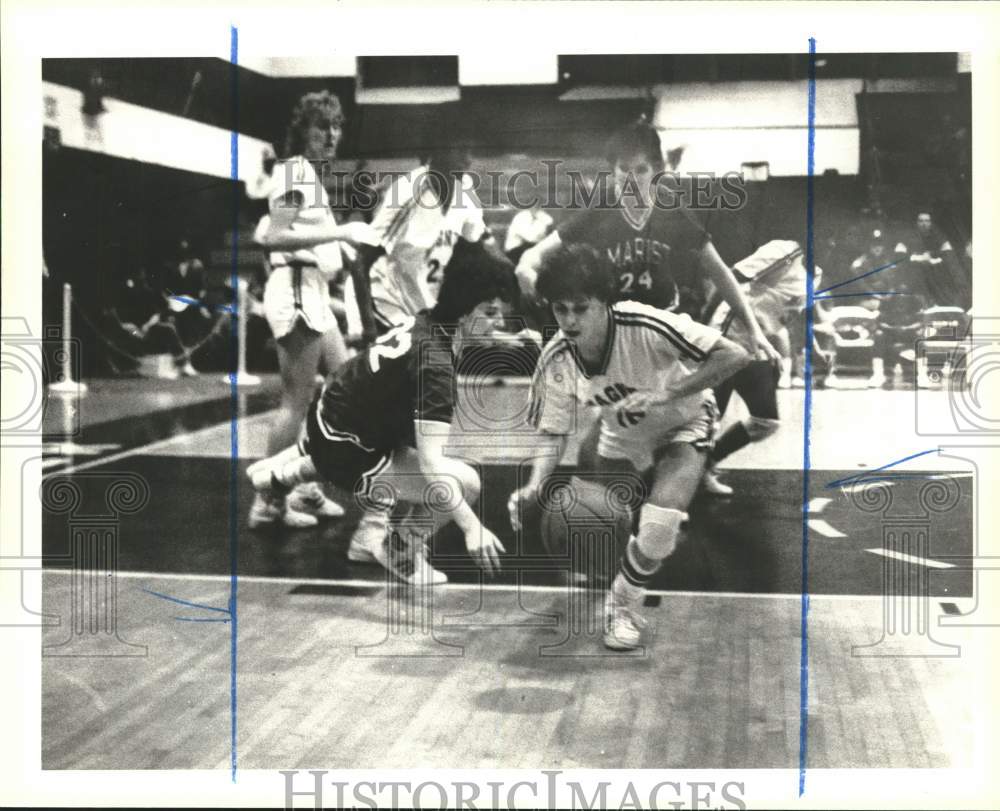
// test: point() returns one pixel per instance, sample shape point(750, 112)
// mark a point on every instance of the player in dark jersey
point(381, 422)
point(646, 241)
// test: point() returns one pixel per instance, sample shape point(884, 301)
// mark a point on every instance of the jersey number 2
point(393, 344)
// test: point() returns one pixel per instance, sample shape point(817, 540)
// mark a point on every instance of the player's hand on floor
point(485, 548)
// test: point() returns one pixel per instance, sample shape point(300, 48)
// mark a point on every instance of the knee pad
point(658, 531)
point(759, 428)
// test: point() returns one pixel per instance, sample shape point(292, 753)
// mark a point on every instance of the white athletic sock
point(290, 467)
point(630, 582)
point(296, 471)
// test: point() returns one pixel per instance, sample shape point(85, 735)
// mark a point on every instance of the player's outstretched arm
point(437, 468)
point(360, 275)
point(551, 448)
point(724, 359)
point(279, 231)
point(531, 262)
point(724, 281)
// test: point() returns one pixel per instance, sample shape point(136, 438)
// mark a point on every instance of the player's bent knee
point(658, 531)
point(759, 428)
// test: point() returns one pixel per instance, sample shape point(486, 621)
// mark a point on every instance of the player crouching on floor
point(666, 366)
point(381, 422)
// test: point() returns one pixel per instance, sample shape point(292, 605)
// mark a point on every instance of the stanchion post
point(64, 382)
point(242, 377)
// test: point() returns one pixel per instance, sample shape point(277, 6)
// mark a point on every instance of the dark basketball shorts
point(341, 458)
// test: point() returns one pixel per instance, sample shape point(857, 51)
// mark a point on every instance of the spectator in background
point(932, 264)
point(185, 274)
point(528, 227)
point(184, 285)
point(876, 261)
point(899, 323)
point(139, 322)
point(967, 275)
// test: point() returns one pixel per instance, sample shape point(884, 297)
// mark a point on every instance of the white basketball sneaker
point(407, 560)
point(266, 509)
point(269, 508)
point(622, 626)
point(710, 481)
point(370, 532)
point(309, 498)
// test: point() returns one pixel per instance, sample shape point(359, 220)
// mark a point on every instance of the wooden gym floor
point(336, 667)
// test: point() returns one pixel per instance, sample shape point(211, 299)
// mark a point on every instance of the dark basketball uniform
point(649, 258)
point(367, 407)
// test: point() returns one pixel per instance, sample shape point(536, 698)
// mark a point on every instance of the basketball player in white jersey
point(774, 279)
point(304, 243)
point(651, 373)
point(421, 218)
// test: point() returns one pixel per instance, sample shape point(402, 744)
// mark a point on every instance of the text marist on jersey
point(638, 249)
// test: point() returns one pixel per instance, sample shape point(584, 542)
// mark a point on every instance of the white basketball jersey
point(298, 174)
point(647, 349)
point(418, 238)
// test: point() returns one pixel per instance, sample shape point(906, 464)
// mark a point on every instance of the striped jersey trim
point(338, 436)
point(536, 395)
point(398, 221)
point(684, 346)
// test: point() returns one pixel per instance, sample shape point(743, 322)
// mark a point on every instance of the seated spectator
point(933, 267)
point(875, 258)
point(142, 320)
point(899, 323)
point(183, 283)
point(529, 227)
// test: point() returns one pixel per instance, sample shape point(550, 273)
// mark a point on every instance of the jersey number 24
point(629, 282)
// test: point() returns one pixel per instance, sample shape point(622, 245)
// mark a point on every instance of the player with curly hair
point(304, 243)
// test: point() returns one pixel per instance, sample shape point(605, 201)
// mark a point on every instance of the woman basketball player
point(774, 279)
point(304, 241)
point(382, 422)
point(651, 372)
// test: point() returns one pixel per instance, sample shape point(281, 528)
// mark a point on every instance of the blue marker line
point(866, 294)
point(858, 278)
point(222, 308)
point(188, 603)
point(196, 619)
point(807, 423)
point(866, 474)
point(234, 152)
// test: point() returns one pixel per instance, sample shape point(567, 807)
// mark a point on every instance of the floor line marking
point(931, 564)
point(817, 505)
point(152, 446)
point(824, 528)
point(361, 583)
